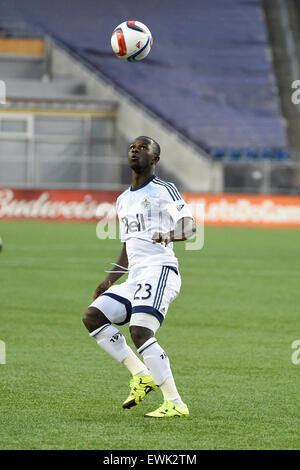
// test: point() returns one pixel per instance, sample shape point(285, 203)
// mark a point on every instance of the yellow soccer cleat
point(140, 385)
point(169, 409)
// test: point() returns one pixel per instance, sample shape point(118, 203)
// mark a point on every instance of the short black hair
point(150, 141)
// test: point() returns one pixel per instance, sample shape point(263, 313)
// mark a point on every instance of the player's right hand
point(102, 288)
point(163, 238)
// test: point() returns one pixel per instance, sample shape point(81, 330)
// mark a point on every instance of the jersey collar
point(144, 184)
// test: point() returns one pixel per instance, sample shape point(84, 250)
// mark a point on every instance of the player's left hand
point(163, 238)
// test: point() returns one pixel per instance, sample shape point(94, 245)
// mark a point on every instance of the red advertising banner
point(55, 204)
point(219, 209)
point(248, 210)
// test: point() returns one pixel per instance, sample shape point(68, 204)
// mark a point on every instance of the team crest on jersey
point(146, 202)
point(179, 207)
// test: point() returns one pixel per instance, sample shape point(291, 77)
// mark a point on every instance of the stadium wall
point(221, 209)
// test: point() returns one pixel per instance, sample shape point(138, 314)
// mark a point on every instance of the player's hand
point(163, 238)
point(102, 288)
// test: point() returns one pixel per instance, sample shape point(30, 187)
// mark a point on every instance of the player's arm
point(113, 276)
point(183, 230)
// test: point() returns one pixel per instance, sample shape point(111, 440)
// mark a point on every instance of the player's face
point(140, 156)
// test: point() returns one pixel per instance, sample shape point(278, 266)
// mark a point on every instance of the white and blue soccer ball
point(131, 41)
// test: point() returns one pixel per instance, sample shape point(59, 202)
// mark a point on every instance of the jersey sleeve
point(174, 204)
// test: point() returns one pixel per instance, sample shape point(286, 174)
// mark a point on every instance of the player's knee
point(94, 318)
point(140, 335)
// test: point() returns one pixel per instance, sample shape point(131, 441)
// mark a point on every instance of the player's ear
point(156, 159)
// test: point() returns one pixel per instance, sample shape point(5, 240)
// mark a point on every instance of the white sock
point(135, 365)
point(156, 360)
point(170, 391)
point(158, 364)
point(112, 341)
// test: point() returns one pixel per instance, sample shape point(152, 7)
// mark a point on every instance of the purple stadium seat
point(208, 74)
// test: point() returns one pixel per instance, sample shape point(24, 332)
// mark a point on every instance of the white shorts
point(143, 299)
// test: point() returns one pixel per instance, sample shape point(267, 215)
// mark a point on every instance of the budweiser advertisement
point(219, 209)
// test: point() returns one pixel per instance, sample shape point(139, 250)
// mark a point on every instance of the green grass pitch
point(228, 336)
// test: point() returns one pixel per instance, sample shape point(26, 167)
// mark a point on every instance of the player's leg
point(144, 323)
point(108, 337)
point(118, 310)
point(158, 364)
point(94, 319)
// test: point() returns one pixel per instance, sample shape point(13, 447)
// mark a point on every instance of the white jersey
point(155, 206)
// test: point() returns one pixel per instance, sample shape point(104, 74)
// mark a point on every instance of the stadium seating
point(209, 73)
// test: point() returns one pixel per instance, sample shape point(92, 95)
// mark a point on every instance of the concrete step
point(45, 88)
point(54, 94)
point(21, 66)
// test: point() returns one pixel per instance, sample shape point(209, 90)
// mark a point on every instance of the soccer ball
point(131, 41)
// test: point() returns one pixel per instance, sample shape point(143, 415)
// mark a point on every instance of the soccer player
point(152, 214)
